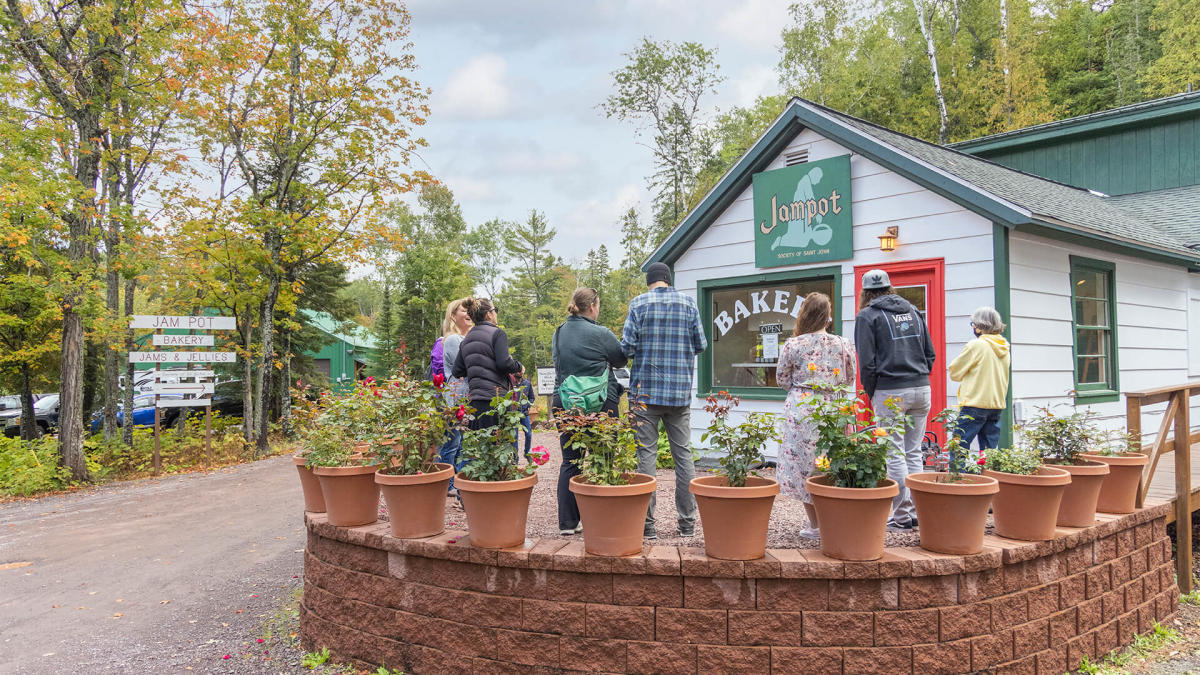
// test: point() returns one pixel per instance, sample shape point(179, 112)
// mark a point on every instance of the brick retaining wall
point(438, 605)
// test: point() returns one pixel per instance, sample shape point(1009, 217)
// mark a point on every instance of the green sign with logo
point(802, 213)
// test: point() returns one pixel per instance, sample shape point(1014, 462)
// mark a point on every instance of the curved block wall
point(437, 605)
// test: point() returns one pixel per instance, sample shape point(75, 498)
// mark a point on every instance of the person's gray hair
point(987, 320)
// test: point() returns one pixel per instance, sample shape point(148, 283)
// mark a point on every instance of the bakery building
point(1083, 233)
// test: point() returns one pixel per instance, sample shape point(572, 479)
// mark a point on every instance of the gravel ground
point(787, 518)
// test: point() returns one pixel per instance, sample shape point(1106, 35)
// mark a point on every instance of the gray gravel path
point(163, 575)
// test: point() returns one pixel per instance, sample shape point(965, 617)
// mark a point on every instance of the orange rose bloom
point(881, 432)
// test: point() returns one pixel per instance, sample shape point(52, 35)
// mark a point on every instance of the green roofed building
point(348, 350)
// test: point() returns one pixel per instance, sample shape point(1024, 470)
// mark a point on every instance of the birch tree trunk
point(127, 429)
point(1005, 64)
point(931, 52)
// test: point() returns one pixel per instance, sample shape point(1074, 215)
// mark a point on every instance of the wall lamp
point(887, 240)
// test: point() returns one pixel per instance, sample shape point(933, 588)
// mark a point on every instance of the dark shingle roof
point(1045, 199)
point(1175, 211)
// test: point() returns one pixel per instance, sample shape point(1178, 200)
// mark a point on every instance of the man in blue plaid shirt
point(662, 337)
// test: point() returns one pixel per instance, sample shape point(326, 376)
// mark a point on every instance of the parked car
point(13, 402)
point(45, 413)
point(143, 413)
point(227, 399)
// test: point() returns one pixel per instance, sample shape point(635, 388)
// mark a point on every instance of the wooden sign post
point(195, 387)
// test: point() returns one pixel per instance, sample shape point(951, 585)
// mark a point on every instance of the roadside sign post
point(200, 382)
point(545, 387)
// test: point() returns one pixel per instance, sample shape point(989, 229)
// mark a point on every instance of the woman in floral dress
point(811, 356)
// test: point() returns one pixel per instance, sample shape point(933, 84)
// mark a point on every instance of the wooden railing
point(1176, 421)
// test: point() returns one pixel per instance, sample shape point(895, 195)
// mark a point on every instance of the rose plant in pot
point(952, 507)
point(1119, 492)
point(611, 495)
point(304, 411)
point(1026, 507)
point(337, 443)
point(494, 488)
point(735, 504)
point(413, 421)
point(853, 498)
point(1062, 441)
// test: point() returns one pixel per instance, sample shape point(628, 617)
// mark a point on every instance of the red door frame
point(932, 273)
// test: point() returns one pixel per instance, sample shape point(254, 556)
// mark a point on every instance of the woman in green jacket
point(585, 348)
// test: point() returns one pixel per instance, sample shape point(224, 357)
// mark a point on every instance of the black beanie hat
point(658, 272)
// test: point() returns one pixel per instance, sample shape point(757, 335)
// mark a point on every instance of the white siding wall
point(1152, 326)
point(930, 227)
point(1194, 326)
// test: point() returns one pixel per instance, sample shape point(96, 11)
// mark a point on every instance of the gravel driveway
point(164, 575)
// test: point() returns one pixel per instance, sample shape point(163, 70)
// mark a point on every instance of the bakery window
point(747, 320)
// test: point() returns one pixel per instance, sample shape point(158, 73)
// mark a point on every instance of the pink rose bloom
point(540, 455)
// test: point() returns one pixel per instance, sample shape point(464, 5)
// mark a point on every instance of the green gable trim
point(1071, 235)
point(704, 288)
point(796, 117)
point(1108, 120)
point(1003, 293)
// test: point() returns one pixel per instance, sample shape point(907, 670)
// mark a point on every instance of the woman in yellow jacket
point(982, 367)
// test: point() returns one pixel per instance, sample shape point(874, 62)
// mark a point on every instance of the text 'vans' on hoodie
point(893, 344)
point(982, 367)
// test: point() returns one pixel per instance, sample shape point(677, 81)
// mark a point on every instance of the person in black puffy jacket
point(483, 358)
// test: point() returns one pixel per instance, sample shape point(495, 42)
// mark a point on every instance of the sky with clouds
point(514, 120)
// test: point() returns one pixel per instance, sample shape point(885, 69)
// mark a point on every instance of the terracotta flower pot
point(496, 510)
point(314, 501)
point(351, 495)
point(953, 516)
point(416, 504)
point(1118, 494)
point(615, 514)
point(1079, 499)
point(735, 519)
point(852, 520)
point(1026, 507)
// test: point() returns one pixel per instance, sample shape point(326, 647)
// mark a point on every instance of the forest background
point(255, 158)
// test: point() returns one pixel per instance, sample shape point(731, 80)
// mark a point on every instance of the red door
point(921, 282)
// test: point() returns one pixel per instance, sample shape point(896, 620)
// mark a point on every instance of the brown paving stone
point(816, 660)
point(991, 650)
point(921, 592)
point(1063, 627)
point(649, 590)
point(908, 627)
point(839, 629)
point(1052, 661)
point(694, 562)
point(1009, 611)
point(618, 621)
point(708, 626)
point(592, 655)
point(879, 660)
point(942, 658)
point(765, 628)
point(1043, 600)
point(1090, 615)
point(661, 658)
point(1080, 648)
point(962, 621)
point(718, 593)
point(751, 660)
point(863, 594)
point(1106, 639)
point(792, 594)
point(532, 649)
point(1072, 590)
point(982, 585)
point(766, 567)
point(1031, 638)
point(546, 616)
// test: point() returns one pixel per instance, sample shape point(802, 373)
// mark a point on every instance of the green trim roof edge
point(1104, 120)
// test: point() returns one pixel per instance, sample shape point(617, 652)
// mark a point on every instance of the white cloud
point(752, 81)
point(754, 23)
point(592, 222)
point(478, 90)
point(468, 189)
point(535, 160)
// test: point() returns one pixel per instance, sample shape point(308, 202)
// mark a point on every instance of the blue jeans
point(528, 427)
point(451, 452)
point(981, 422)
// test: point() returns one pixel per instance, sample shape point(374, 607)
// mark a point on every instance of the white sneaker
point(810, 533)
point(567, 533)
point(579, 528)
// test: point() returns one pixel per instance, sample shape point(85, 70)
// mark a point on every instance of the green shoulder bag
point(584, 392)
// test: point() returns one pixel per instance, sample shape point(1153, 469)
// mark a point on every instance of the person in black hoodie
point(484, 360)
point(895, 357)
